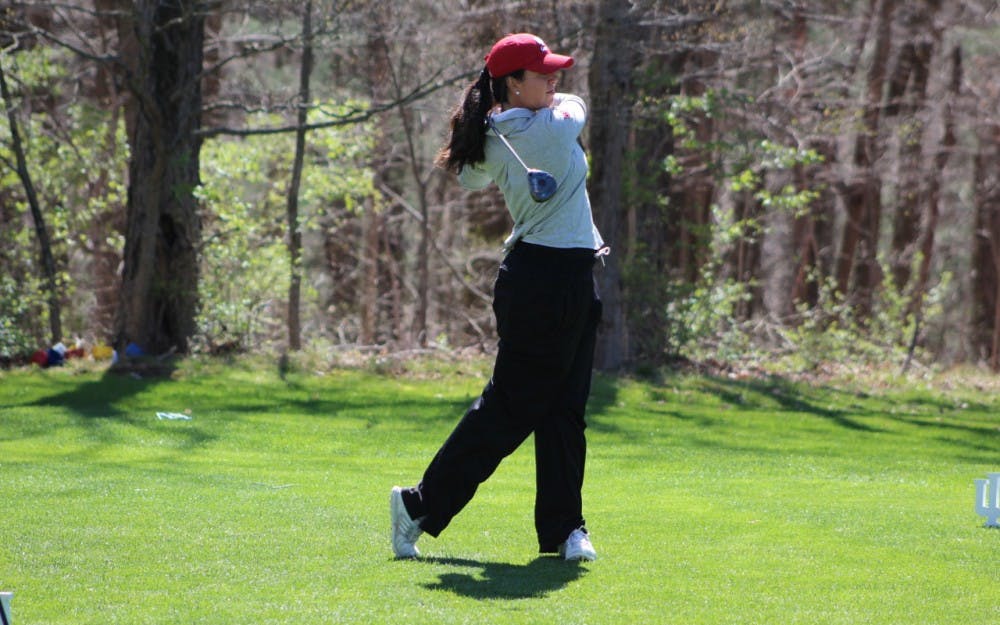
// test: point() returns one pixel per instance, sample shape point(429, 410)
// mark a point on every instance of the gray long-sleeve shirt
point(545, 139)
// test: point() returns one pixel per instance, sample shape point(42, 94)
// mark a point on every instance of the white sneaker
point(578, 547)
point(405, 531)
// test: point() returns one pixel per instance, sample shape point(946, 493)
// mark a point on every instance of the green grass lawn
point(709, 500)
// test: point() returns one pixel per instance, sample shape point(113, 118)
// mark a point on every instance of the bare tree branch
point(66, 7)
point(275, 43)
point(413, 212)
point(110, 59)
point(354, 116)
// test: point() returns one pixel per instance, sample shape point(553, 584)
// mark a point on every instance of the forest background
point(784, 183)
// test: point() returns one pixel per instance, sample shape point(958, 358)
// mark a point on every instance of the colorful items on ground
point(59, 353)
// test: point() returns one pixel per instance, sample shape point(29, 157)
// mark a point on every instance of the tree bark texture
point(859, 246)
point(421, 321)
point(910, 104)
point(812, 229)
point(292, 213)
point(376, 262)
point(159, 295)
point(610, 86)
point(692, 194)
point(986, 242)
point(649, 255)
point(934, 182)
point(368, 292)
point(906, 101)
point(110, 91)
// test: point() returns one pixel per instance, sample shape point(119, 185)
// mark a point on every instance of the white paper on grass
point(172, 416)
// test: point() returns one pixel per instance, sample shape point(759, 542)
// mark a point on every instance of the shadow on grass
point(112, 397)
point(98, 398)
point(784, 397)
point(962, 424)
point(502, 580)
point(603, 396)
point(107, 400)
point(850, 409)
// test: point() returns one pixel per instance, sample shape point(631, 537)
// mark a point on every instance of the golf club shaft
point(507, 143)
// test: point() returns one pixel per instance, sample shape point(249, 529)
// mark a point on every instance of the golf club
point(541, 184)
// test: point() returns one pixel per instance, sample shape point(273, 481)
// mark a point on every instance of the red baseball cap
point(524, 51)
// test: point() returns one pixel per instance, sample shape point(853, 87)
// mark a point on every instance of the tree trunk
point(368, 276)
point(610, 87)
point(811, 230)
point(908, 174)
point(693, 192)
point(648, 264)
point(105, 257)
point(859, 247)
point(104, 279)
point(906, 99)
point(814, 231)
point(376, 251)
point(986, 247)
point(159, 295)
point(770, 244)
point(294, 234)
point(417, 164)
point(48, 262)
point(948, 142)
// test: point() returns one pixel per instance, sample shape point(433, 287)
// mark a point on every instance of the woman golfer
point(544, 299)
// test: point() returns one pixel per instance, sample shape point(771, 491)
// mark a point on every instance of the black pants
point(547, 312)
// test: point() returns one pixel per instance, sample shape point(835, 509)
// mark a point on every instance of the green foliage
point(833, 332)
point(14, 339)
point(647, 283)
point(245, 262)
point(77, 159)
point(703, 320)
point(767, 156)
point(704, 325)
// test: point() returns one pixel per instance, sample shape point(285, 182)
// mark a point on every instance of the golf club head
point(541, 184)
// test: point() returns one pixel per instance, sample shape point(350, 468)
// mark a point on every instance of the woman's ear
point(513, 86)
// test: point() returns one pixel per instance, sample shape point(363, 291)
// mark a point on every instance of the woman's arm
point(474, 177)
point(569, 114)
point(567, 102)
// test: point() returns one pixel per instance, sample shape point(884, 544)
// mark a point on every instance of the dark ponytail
point(467, 144)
